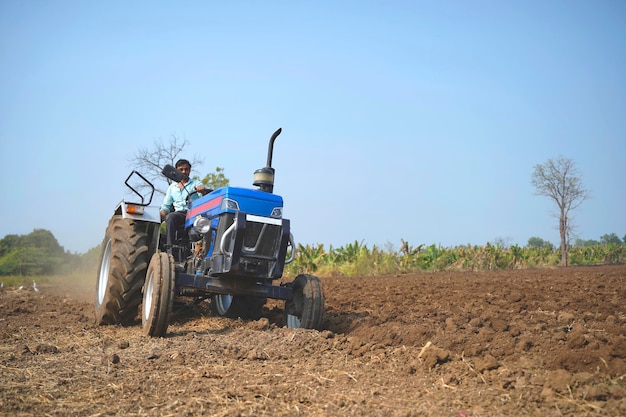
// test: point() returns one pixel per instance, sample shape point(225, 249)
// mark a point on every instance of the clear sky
point(414, 120)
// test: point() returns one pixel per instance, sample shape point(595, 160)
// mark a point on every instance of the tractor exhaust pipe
point(270, 149)
point(264, 177)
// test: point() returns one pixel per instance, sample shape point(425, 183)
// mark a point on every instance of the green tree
point(8, 243)
point(537, 242)
point(610, 239)
point(37, 253)
point(41, 238)
point(214, 180)
point(560, 182)
point(29, 261)
point(586, 243)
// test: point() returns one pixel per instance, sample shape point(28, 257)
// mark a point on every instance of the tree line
point(39, 253)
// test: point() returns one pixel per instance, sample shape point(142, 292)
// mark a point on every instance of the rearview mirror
point(172, 173)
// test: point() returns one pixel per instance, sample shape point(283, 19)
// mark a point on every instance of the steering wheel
point(201, 192)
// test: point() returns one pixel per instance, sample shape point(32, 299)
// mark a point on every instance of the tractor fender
point(150, 218)
point(150, 214)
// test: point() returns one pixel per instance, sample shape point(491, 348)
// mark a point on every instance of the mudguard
point(129, 211)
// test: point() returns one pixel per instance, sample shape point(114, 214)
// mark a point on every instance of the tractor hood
point(233, 199)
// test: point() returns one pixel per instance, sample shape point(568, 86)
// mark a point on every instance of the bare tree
point(150, 161)
point(559, 181)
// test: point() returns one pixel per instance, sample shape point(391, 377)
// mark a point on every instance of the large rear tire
point(158, 295)
point(121, 272)
point(306, 309)
point(246, 307)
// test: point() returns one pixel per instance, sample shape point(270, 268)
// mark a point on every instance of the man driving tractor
point(174, 207)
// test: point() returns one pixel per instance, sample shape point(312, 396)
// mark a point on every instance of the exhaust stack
point(264, 177)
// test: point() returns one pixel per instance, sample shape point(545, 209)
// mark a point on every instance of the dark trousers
point(174, 222)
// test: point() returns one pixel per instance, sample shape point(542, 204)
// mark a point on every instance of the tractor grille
point(261, 239)
point(248, 245)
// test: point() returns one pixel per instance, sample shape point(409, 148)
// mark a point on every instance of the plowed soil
point(541, 342)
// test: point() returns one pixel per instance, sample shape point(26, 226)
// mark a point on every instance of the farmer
point(174, 207)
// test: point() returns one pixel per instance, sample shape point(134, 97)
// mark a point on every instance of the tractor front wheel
point(235, 306)
point(306, 309)
point(158, 295)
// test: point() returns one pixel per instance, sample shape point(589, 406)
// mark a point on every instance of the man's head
point(184, 166)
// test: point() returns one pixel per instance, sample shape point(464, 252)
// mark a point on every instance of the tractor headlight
point(201, 225)
point(277, 213)
point(229, 204)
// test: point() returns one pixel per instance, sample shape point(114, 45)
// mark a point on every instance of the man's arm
point(166, 207)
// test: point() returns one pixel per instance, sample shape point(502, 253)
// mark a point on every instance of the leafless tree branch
point(149, 161)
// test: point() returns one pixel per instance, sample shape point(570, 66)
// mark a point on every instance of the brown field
point(541, 342)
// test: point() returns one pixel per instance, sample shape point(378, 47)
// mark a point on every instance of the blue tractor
point(233, 248)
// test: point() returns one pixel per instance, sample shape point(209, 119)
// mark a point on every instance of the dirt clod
point(486, 363)
point(111, 359)
point(43, 349)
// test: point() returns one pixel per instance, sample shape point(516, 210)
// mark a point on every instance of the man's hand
point(202, 189)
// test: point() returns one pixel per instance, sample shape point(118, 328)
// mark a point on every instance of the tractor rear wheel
point(158, 295)
point(235, 306)
point(121, 272)
point(306, 309)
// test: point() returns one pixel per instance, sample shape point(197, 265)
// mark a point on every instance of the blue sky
point(414, 120)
